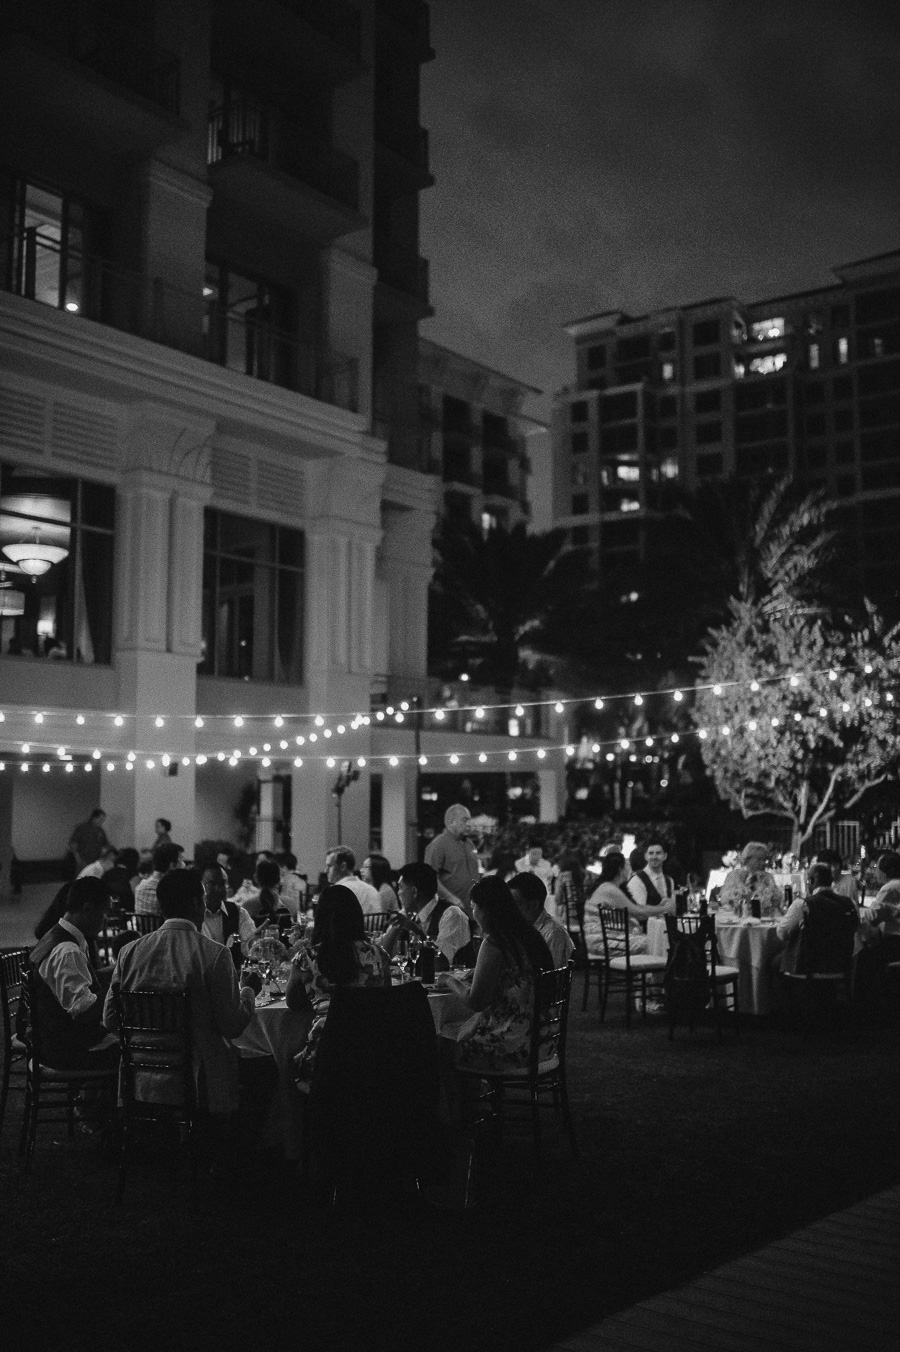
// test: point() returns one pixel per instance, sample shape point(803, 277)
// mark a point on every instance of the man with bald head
point(453, 858)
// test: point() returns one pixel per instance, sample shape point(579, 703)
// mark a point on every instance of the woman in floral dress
point(502, 990)
point(340, 954)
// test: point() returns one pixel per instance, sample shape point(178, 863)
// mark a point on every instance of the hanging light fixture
point(33, 556)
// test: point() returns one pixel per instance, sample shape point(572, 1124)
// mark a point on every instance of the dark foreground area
point(693, 1153)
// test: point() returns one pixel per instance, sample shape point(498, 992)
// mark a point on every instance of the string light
point(279, 721)
point(80, 720)
point(598, 704)
point(639, 699)
point(482, 758)
point(298, 762)
point(559, 706)
point(392, 760)
point(520, 711)
point(119, 721)
point(454, 759)
point(361, 762)
point(423, 760)
point(39, 718)
point(159, 722)
point(198, 722)
point(678, 697)
point(238, 721)
point(320, 721)
point(512, 756)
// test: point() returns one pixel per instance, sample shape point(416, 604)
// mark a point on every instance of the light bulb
point(80, 720)
point(298, 762)
point(423, 760)
point(238, 722)
point(482, 758)
point(754, 685)
point(639, 699)
point(198, 722)
point(454, 759)
point(541, 753)
point(559, 707)
point(439, 715)
point(279, 721)
point(110, 766)
point(393, 761)
point(320, 721)
point(678, 697)
point(266, 762)
point(39, 718)
point(519, 711)
point(361, 762)
point(598, 704)
point(159, 722)
point(717, 690)
point(88, 767)
point(26, 748)
point(118, 720)
point(512, 755)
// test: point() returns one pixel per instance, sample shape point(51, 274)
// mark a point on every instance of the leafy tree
point(807, 747)
point(492, 595)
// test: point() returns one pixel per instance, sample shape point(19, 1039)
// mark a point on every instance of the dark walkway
point(830, 1287)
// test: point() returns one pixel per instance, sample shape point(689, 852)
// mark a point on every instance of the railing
point(498, 486)
point(90, 287)
point(243, 127)
point(110, 51)
point(403, 269)
point(434, 694)
point(334, 19)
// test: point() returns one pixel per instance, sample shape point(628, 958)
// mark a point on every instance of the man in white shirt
point(225, 921)
point(531, 894)
point(651, 886)
point(100, 866)
point(340, 867)
point(428, 916)
point(533, 861)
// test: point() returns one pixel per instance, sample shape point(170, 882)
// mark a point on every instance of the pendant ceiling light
point(34, 557)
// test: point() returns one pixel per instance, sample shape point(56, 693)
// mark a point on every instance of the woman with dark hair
point(341, 954)
point(377, 872)
point(611, 893)
point(268, 903)
point(501, 996)
point(119, 877)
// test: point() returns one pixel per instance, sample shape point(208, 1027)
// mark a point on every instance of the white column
point(552, 793)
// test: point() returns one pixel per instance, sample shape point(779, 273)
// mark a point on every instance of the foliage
point(492, 596)
point(782, 753)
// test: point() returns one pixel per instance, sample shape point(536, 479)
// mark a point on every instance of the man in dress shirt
point(453, 857)
point(225, 921)
point(166, 857)
point(102, 865)
point(651, 886)
point(531, 895)
point(533, 861)
point(340, 867)
point(69, 992)
point(429, 916)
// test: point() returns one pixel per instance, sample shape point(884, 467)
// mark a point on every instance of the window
point(58, 601)
point(579, 443)
point(667, 438)
point(843, 351)
point(667, 406)
point(846, 484)
point(579, 474)
point(842, 388)
point(579, 537)
point(578, 411)
point(813, 356)
point(843, 453)
point(252, 600)
point(768, 328)
point(843, 419)
point(706, 333)
point(580, 504)
point(769, 364)
point(708, 401)
point(596, 357)
point(707, 433)
point(249, 326)
point(633, 349)
point(707, 366)
point(709, 463)
point(46, 260)
point(618, 407)
point(628, 474)
point(815, 392)
point(665, 340)
point(817, 457)
point(815, 424)
point(617, 439)
point(840, 316)
point(668, 371)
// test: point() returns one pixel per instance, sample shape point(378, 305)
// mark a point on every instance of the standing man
point(453, 857)
point(89, 840)
point(340, 867)
point(651, 886)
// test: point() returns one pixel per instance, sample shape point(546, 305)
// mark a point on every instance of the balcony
point(456, 469)
point(263, 166)
point(89, 287)
point(497, 485)
point(316, 39)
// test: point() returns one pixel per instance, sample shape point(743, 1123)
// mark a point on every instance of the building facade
point(806, 385)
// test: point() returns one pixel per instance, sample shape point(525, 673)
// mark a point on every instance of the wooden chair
point(12, 968)
point(545, 1070)
point(50, 1092)
point(824, 969)
point(155, 1040)
point(376, 922)
point(721, 981)
point(144, 922)
point(621, 968)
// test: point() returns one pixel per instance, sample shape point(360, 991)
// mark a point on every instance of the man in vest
point(428, 916)
point(225, 921)
point(68, 997)
point(650, 886)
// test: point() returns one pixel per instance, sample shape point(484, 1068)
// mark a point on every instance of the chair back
point(551, 1016)
point(616, 930)
point(374, 1093)
point(155, 1040)
point(691, 964)
point(826, 936)
point(376, 922)
point(146, 923)
point(570, 894)
point(12, 979)
point(27, 1022)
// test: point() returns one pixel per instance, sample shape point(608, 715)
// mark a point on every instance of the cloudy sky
point(606, 154)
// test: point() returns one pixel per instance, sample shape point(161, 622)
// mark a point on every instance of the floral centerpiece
point(742, 887)
point(269, 953)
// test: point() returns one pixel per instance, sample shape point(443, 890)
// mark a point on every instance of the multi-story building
point(210, 287)
point(805, 384)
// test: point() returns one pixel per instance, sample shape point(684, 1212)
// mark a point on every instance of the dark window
point(249, 326)
point(874, 306)
point(708, 401)
point(667, 406)
point(64, 611)
point(633, 349)
point(880, 476)
point(879, 446)
point(665, 340)
point(618, 407)
point(759, 459)
point(615, 439)
point(494, 430)
point(580, 504)
point(667, 438)
point(760, 394)
point(578, 411)
point(596, 357)
point(706, 333)
point(707, 366)
point(814, 392)
point(846, 484)
point(252, 600)
point(579, 443)
point(840, 316)
point(620, 533)
point(842, 386)
point(707, 433)
point(883, 412)
point(580, 536)
point(817, 457)
point(815, 424)
point(709, 463)
point(456, 416)
point(843, 419)
point(877, 379)
point(761, 426)
point(843, 453)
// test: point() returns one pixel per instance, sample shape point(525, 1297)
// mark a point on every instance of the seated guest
point(831, 913)
point(119, 878)
point(340, 867)
point(570, 890)
point(502, 989)
point(649, 885)
point(69, 991)
point(166, 857)
point(225, 921)
point(751, 880)
point(610, 893)
point(102, 865)
point(843, 882)
point(292, 888)
point(503, 864)
point(341, 954)
point(178, 957)
point(377, 872)
point(429, 916)
point(54, 912)
point(883, 916)
point(531, 896)
point(533, 861)
point(268, 902)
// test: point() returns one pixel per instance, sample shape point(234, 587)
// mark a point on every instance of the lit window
point(768, 365)
point(488, 523)
point(814, 356)
point(629, 598)
point(843, 351)
point(740, 370)
point(629, 505)
point(668, 468)
point(628, 474)
point(768, 328)
point(877, 347)
point(668, 370)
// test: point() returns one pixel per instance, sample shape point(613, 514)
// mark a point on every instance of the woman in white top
point(610, 893)
point(377, 872)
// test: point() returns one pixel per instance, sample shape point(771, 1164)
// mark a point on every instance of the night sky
point(633, 154)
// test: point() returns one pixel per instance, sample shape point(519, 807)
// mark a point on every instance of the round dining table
point(748, 945)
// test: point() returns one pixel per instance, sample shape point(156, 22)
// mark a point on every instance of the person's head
point(128, 859)
point(832, 860)
point(286, 861)
point(495, 910)
point(569, 862)
point(655, 854)
point(339, 863)
point(530, 894)
point(338, 928)
point(503, 864)
point(98, 816)
point(215, 886)
point(223, 859)
point(180, 895)
point(889, 865)
point(613, 868)
point(456, 819)
point(377, 871)
point(535, 851)
point(418, 886)
point(820, 875)
point(162, 826)
point(86, 905)
point(754, 856)
point(267, 874)
point(108, 858)
point(167, 856)
point(636, 860)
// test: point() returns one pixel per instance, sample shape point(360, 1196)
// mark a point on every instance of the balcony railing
point(334, 19)
point(243, 127)
point(110, 51)
point(87, 286)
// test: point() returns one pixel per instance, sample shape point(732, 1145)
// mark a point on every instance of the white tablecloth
point(279, 1032)
point(749, 947)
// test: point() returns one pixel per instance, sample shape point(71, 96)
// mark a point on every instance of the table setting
point(745, 942)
